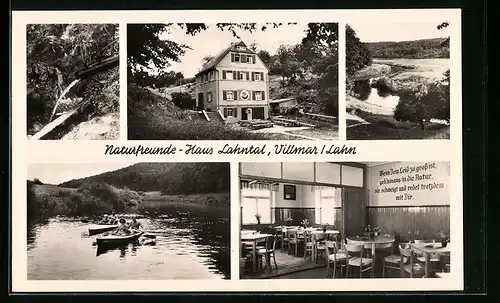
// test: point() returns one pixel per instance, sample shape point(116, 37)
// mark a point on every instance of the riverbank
point(89, 199)
point(94, 199)
point(207, 199)
point(383, 100)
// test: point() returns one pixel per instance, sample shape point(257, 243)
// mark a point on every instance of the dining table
point(428, 249)
point(372, 243)
point(252, 239)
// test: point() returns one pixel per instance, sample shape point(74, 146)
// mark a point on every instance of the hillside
point(417, 49)
point(169, 178)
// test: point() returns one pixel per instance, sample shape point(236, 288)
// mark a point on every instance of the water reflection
point(185, 243)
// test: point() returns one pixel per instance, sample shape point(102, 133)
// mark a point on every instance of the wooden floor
point(287, 264)
point(291, 267)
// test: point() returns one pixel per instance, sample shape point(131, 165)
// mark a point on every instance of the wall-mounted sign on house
point(233, 82)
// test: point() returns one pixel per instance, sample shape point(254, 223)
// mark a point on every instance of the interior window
point(256, 201)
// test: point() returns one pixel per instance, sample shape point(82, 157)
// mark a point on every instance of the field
point(402, 69)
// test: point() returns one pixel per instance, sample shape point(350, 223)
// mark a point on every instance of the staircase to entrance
point(213, 117)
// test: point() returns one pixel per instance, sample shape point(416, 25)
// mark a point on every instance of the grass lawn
point(152, 117)
point(383, 127)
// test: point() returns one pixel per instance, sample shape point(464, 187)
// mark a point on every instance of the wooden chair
point(319, 246)
point(268, 252)
point(308, 245)
point(336, 256)
point(434, 259)
point(246, 257)
point(294, 241)
point(413, 268)
point(363, 263)
point(285, 241)
point(278, 232)
point(392, 261)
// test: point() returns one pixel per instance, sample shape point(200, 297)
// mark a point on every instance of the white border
point(92, 151)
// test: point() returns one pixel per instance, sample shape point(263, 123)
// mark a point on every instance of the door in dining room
point(354, 210)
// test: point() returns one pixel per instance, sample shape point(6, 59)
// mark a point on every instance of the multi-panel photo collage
point(187, 152)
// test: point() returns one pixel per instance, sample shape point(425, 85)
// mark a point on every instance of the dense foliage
point(418, 49)
point(183, 100)
point(170, 178)
point(423, 100)
point(89, 198)
point(357, 54)
point(55, 52)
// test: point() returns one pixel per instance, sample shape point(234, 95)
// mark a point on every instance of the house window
point(241, 76)
point(256, 201)
point(229, 75)
point(229, 95)
point(249, 59)
point(236, 57)
point(258, 96)
point(256, 76)
point(229, 112)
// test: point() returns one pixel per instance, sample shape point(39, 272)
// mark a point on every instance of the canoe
point(97, 229)
point(117, 239)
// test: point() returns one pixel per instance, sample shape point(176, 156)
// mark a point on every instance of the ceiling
point(377, 163)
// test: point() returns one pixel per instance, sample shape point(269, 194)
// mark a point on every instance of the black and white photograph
point(117, 221)
point(232, 81)
point(336, 220)
point(398, 80)
point(72, 82)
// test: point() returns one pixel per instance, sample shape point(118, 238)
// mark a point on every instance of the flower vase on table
point(324, 228)
point(444, 238)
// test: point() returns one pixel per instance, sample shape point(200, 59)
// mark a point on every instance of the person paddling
point(122, 227)
point(136, 225)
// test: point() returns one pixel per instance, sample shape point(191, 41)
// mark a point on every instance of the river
point(191, 243)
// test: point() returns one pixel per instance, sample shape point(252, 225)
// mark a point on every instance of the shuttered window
point(248, 76)
point(235, 94)
point(258, 95)
point(228, 95)
point(263, 95)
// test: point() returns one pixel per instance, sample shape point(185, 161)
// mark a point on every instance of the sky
point(56, 173)
point(379, 32)
point(213, 40)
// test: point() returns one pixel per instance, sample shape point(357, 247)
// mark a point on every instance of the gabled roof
point(222, 54)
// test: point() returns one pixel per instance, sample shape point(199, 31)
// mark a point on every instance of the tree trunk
point(422, 126)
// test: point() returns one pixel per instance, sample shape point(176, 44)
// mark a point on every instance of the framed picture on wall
point(289, 192)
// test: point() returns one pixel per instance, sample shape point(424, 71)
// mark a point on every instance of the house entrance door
point(201, 106)
point(249, 114)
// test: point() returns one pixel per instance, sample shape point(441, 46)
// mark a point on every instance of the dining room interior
point(324, 220)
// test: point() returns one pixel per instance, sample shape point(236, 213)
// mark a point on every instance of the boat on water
point(100, 228)
point(113, 239)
